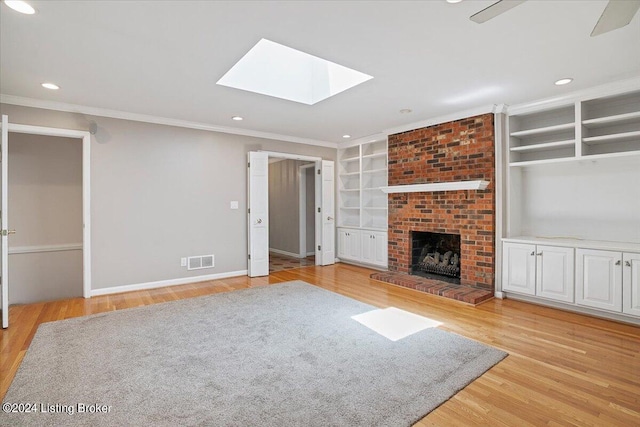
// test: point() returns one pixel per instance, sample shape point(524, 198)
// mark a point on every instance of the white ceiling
point(163, 58)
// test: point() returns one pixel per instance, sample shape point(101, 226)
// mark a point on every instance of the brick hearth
point(462, 150)
point(469, 294)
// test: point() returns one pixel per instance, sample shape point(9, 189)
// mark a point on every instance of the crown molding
point(444, 119)
point(609, 89)
point(124, 115)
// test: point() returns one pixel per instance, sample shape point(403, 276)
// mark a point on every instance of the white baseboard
point(498, 294)
point(310, 253)
point(163, 283)
point(278, 251)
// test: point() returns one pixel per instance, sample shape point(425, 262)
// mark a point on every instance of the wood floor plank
point(563, 369)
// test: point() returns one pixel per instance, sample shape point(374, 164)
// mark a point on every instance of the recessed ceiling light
point(405, 111)
point(272, 69)
point(346, 136)
point(20, 6)
point(454, 1)
point(564, 81)
point(237, 118)
point(51, 86)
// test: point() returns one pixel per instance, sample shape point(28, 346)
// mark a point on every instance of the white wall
point(160, 193)
point(45, 208)
point(589, 200)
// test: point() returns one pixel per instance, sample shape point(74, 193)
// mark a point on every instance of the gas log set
point(435, 253)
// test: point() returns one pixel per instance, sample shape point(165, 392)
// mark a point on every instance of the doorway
point(291, 245)
point(6, 229)
point(258, 219)
point(45, 200)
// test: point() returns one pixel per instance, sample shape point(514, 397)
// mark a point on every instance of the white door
point(368, 247)
point(554, 273)
point(4, 226)
point(631, 283)
point(325, 213)
point(599, 279)
point(380, 243)
point(519, 268)
point(258, 214)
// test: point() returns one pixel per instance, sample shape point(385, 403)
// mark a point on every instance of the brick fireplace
point(462, 150)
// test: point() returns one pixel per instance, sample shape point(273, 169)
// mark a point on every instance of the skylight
point(276, 70)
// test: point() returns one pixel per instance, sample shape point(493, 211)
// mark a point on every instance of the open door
point(4, 228)
point(258, 214)
point(325, 213)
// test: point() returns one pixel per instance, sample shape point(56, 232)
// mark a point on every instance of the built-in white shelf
point(350, 159)
point(437, 186)
point(543, 130)
point(374, 156)
point(375, 170)
point(363, 170)
point(614, 137)
point(610, 120)
point(544, 146)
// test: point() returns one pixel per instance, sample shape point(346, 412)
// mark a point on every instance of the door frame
point(86, 188)
point(317, 164)
point(302, 179)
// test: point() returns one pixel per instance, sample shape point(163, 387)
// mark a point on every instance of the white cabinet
point(609, 280)
point(349, 244)
point(374, 247)
point(362, 246)
point(544, 271)
point(519, 268)
point(362, 206)
point(554, 273)
point(631, 283)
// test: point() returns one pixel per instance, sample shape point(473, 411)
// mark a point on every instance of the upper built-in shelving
point(593, 128)
point(362, 171)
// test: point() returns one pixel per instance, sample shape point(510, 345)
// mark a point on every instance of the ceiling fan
point(617, 14)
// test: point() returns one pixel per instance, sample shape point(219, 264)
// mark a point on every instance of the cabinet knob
point(627, 263)
point(618, 262)
point(539, 254)
point(533, 253)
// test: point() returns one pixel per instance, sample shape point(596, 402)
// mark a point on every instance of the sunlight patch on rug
point(394, 323)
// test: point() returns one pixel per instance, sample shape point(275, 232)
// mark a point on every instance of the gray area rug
point(280, 355)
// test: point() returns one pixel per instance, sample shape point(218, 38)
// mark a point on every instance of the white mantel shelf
point(436, 186)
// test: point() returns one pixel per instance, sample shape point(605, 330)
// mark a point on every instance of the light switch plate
point(234, 204)
point(183, 262)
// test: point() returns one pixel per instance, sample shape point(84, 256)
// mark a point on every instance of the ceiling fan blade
point(617, 14)
point(494, 10)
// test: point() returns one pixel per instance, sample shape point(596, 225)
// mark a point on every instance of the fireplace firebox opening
point(436, 256)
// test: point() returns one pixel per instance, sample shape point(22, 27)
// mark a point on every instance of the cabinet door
point(348, 244)
point(519, 268)
point(554, 273)
point(599, 279)
point(380, 244)
point(631, 283)
point(353, 245)
point(367, 247)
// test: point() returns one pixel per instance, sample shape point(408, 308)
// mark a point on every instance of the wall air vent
point(199, 262)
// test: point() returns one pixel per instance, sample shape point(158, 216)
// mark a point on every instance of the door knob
point(7, 232)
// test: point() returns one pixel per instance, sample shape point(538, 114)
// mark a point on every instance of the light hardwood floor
point(562, 368)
